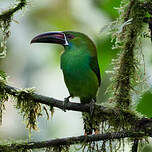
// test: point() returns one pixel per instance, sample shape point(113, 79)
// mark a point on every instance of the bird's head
point(66, 38)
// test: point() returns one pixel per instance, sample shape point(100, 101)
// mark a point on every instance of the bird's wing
point(95, 67)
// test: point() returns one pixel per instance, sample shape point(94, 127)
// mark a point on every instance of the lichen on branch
point(124, 79)
point(31, 110)
point(65, 143)
point(5, 20)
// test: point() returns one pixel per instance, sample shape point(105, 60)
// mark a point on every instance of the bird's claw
point(92, 106)
point(65, 102)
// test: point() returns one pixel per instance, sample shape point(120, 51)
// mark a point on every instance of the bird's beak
point(50, 37)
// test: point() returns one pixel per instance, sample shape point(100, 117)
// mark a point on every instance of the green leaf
point(145, 104)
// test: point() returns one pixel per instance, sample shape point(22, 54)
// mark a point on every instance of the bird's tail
point(89, 121)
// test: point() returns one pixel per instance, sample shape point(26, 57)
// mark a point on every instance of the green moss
point(51, 109)
point(4, 26)
point(5, 20)
point(3, 94)
point(11, 146)
point(30, 109)
point(59, 148)
point(125, 67)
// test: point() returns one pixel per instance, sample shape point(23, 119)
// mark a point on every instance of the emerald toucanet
point(79, 65)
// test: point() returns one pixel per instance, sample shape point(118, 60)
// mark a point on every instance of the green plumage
point(80, 67)
point(80, 79)
point(81, 71)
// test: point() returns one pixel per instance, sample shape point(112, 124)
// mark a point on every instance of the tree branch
point(104, 112)
point(73, 140)
point(50, 101)
point(10, 12)
point(125, 73)
point(101, 111)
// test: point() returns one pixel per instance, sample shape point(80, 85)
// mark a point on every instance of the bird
point(80, 68)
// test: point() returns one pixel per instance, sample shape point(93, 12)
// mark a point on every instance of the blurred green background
point(38, 65)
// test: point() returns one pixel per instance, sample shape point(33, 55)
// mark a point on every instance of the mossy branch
point(125, 74)
point(10, 12)
point(5, 20)
point(73, 140)
point(102, 112)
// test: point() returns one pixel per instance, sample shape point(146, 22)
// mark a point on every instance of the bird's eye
point(70, 36)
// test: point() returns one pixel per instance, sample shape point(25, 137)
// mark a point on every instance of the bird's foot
point(92, 106)
point(65, 102)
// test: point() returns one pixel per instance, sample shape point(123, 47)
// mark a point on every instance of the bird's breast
point(79, 78)
point(74, 63)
